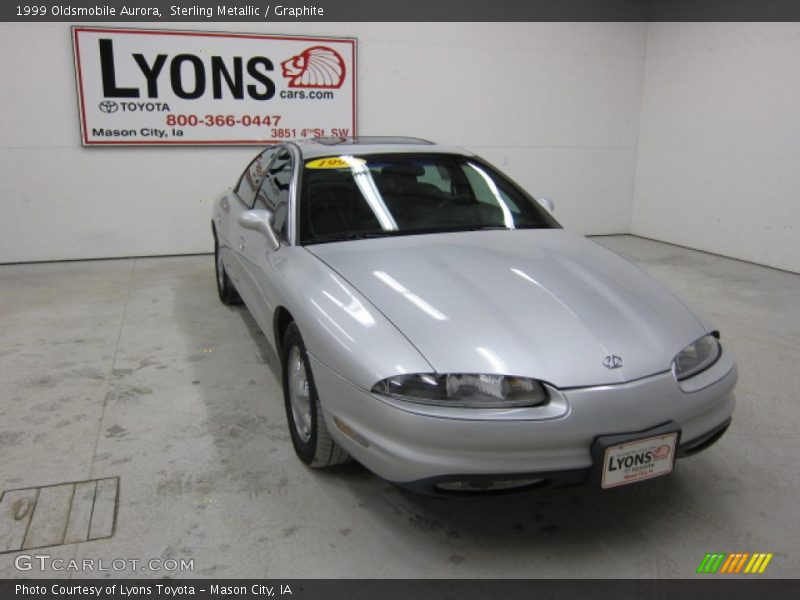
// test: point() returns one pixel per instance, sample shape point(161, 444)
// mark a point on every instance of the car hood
point(542, 303)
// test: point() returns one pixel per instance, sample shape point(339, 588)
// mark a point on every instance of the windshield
point(354, 197)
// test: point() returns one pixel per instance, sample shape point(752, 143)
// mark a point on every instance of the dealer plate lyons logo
point(735, 563)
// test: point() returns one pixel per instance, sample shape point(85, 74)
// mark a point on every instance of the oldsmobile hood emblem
point(612, 361)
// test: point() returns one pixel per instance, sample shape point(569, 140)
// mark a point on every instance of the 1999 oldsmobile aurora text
point(209, 12)
point(437, 324)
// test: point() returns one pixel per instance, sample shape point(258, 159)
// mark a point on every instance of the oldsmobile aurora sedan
point(436, 323)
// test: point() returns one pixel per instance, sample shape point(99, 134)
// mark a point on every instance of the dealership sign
point(158, 86)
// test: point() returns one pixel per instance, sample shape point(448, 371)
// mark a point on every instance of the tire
point(310, 437)
point(227, 293)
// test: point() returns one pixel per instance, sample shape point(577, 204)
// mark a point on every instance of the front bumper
point(481, 484)
point(417, 446)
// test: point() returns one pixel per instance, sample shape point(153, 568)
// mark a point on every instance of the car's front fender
point(340, 327)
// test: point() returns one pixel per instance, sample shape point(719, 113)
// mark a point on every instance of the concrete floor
point(132, 368)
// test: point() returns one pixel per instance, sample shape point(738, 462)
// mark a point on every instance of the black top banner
point(154, 11)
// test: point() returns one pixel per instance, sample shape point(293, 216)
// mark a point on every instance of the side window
point(274, 192)
point(253, 177)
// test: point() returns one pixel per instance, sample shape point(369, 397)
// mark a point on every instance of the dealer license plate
point(638, 460)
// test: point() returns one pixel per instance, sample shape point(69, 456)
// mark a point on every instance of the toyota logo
point(108, 106)
point(612, 361)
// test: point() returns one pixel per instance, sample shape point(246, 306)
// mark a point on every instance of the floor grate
point(53, 515)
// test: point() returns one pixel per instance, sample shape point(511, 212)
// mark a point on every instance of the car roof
point(334, 146)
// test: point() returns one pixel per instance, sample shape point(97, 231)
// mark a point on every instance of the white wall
point(555, 105)
point(719, 141)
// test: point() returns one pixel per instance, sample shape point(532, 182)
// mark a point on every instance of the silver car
point(437, 324)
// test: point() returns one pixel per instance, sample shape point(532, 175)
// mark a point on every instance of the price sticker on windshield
point(335, 162)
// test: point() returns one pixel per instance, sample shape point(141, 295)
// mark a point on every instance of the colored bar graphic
point(764, 564)
point(722, 563)
point(711, 563)
point(735, 562)
point(759, 563)
point(741, 562)
point(728, 565)
point(703, 564)
point(754, 563)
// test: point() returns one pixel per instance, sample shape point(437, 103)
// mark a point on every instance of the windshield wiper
point(397, 233)
point(350, 236)
point(533, 226)
point(481, 228)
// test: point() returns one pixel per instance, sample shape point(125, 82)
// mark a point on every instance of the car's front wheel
point(227, 293)
point(312, 441)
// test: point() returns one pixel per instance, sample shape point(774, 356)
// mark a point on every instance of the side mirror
point(547, 204)
point(261, 221)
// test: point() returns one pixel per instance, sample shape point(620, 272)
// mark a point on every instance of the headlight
point(697, 357)
point(468, 391)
